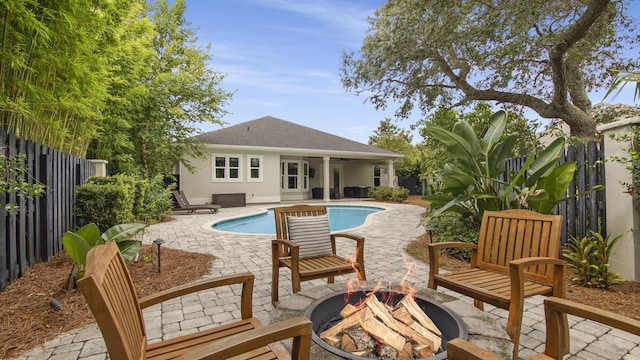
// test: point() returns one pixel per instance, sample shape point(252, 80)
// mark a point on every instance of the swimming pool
point(341, 217)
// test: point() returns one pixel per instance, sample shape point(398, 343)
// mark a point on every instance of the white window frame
point(379, 177)
point(227, 168)
point(302, 178)
point(260, 168)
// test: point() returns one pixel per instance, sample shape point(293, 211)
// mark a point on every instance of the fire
point(354, 285)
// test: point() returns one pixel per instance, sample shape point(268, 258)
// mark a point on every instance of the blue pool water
point(340, 218)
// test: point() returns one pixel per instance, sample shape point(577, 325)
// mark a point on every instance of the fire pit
point(325, 313)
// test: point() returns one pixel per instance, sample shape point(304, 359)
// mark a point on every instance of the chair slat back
point(281, 213)
point(184, 198)
point(109, 291)
point(514, 234)
point(179, 198)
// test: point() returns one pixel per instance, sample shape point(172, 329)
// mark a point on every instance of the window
point(226, 168)
point(376, 176)
point(254, 168)
point(294, 175)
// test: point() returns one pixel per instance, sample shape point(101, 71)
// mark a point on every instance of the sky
point(282, 58)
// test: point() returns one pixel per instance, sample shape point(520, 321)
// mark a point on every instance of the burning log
point(403, 332)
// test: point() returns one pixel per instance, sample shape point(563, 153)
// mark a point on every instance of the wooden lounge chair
point(557, 338)
point(183, 204)
point(517, 256)
point(110, 294)
point(325, 263)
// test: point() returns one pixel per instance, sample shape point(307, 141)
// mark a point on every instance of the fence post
point(623, 213)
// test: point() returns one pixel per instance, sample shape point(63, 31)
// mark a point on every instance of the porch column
point(325, 181)
point(391, 173)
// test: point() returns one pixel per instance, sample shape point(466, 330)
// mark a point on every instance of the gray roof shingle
point(269, 131)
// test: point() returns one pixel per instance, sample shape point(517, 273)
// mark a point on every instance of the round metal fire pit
point(325, 312)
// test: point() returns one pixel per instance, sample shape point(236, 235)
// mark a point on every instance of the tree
point(53, 77)
point(165, 90)
point(544, 55)
point(390, 137)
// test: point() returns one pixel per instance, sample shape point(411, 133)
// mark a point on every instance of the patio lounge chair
point(305, 246)
point(108, 289)
point(183, 204)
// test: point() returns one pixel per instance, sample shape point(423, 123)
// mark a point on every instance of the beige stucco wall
point(199, 186)
point(622, 210)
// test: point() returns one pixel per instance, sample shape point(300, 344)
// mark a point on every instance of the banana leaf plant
point(77, 244)
point(475, 180)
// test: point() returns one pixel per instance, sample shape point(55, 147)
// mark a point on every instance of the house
point(269, 160)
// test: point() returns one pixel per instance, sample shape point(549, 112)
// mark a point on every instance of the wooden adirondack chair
point(110, 294)
point(557, 340)
point(517, 256)
point(286, 253)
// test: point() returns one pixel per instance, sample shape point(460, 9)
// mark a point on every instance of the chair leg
point(331, 279)
point(361, 274)
point(275, 275)
point(514, 324)
point(295, 281)
point(478, 304)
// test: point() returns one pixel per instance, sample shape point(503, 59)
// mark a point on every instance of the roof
point(272, 132)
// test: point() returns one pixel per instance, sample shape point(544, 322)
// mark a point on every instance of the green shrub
point(108, 201)
point(588, 261)
point(399, 194)
point(105, 205)
point(450, 226)
point(157, 200)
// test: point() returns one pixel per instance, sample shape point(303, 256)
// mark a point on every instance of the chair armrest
point(557, 329)
point(458, 349)
point(349, 236)
point(285, 243)
point(558, 280)
point(434, 256)
point(246, 279)
point(297, 328)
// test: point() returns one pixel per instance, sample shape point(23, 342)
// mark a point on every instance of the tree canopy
point(120, 80)
point(540, 54)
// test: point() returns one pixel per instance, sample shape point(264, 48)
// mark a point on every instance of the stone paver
point(387, 234)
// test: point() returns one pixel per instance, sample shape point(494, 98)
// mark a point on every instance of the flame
point(354, 285)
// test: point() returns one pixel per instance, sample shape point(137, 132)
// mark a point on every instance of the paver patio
point(387, 234)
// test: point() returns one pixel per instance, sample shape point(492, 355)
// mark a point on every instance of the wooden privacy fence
point(586, 212)
point(34, 232)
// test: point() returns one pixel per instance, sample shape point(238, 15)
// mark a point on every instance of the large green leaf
point(499, 154)
point(465, 130)
point(456, 145)
point(546, 161)
point(77, 248)
point(122, 231)
point(496, 128)
point(554, 188)
point(129, 249)
point(91, 234)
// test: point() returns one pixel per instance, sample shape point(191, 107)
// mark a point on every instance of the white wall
point(622, 209)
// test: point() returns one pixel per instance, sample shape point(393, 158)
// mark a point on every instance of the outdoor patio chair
point(557, 338)
point(183, 204)
point(305, 246)
point(517, 256)
point(110, 294)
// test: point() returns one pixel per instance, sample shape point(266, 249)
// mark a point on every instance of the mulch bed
point(29, 320)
